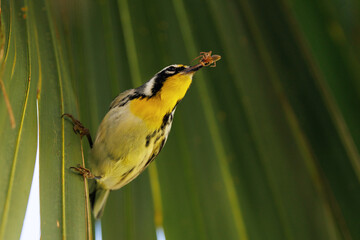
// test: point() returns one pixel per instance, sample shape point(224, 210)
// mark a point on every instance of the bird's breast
point(154, 109)
point(125, 146)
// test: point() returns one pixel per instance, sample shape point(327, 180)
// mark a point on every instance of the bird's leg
point(85, 172)
point(80, 129)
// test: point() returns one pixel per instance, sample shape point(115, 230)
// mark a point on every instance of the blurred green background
point(264, 146)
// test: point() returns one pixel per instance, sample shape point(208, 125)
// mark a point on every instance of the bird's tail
point(98, 198)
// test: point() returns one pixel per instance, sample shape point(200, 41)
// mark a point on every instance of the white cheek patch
point(148, 87)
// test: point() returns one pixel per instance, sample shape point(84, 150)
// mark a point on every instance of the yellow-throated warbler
point(135, 129)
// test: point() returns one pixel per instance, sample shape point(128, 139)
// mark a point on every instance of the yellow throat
point(152, 109)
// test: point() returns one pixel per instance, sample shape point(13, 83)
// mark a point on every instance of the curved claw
point(79, 128)
point(85, 172)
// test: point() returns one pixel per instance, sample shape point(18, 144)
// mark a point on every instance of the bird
point(134, 130)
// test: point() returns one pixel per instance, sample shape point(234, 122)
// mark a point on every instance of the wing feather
point(122, 98)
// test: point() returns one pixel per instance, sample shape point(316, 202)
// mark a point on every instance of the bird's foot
point(85, 172)
point(79, 128)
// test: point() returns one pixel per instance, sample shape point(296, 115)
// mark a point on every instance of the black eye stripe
point(163, 75)
point(172, 70)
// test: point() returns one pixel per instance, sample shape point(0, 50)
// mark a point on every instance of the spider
point(207, 59)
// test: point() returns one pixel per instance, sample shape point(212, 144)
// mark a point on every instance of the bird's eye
point(170, 70)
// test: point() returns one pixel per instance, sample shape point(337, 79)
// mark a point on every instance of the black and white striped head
point(155, 84)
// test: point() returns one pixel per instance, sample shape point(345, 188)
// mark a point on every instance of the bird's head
point(172, 80)
point(161, 94)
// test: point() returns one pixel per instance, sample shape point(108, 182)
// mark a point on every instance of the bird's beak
point(192, 69)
